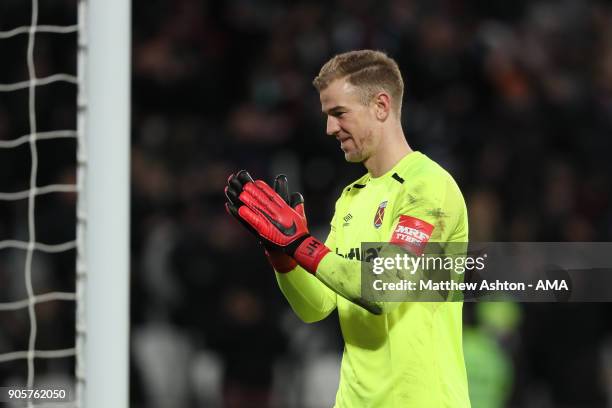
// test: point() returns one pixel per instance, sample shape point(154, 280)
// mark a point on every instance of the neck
point(392, 148)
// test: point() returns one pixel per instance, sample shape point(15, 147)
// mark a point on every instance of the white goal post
point(104, 120)
point(103, 191)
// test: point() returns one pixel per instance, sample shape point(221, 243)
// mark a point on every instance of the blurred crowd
point(513, 98)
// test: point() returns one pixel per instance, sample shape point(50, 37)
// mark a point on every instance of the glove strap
point(309, 253)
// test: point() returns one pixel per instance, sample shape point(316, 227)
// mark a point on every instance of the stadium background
point(513, 98)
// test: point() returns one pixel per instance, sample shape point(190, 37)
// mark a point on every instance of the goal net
point(51, 222)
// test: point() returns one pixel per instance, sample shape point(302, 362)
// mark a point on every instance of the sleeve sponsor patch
point(412, 234)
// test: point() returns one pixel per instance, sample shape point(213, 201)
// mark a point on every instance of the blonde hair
point(368, 70)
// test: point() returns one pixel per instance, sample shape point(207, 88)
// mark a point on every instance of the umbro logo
point(346, 219)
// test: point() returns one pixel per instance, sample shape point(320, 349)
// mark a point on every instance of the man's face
point(348, 120)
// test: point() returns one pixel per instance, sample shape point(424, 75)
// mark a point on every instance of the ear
point(382, 105)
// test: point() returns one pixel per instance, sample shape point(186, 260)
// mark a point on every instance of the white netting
point(31, 245)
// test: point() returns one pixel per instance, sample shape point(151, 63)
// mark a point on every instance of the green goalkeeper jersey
point(400, 354)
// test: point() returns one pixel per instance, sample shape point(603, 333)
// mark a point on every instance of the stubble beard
point(358, 154)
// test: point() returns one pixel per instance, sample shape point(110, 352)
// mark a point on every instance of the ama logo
point(380, 214)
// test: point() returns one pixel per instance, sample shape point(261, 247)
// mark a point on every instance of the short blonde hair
point(370, 71)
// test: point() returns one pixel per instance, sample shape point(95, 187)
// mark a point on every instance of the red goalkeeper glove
point(280, 261)
point(280, 227)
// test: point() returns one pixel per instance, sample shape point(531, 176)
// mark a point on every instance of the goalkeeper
point(397, 354)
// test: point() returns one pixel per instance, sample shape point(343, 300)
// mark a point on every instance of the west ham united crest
point(380, 214)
